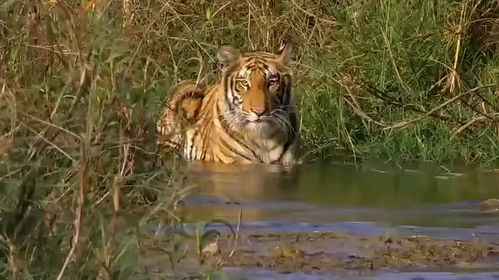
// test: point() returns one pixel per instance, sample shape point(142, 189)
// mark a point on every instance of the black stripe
point(223, 121)
point(229, 91)
point(205, 132)
point(228, 146)
point(191, 147)
point(291, 135)
point(285, 91)
point(266, 67)
point(235, 136)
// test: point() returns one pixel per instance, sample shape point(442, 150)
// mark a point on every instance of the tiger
point(247, 117)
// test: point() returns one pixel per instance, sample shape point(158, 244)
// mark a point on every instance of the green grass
point(79, 93)
point(390, 64)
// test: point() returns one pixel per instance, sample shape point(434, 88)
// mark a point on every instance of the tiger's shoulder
point(180, 109)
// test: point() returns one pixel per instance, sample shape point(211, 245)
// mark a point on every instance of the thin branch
point(404, 124)
point(51, 125)
point(79, 214)
point(474, 120)
point(357, 110)
point(313, 15)
point(236, 238)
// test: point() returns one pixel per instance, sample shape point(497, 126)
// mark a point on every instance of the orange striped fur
point(247, 117)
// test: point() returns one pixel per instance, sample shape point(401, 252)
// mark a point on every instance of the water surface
point(364, 200)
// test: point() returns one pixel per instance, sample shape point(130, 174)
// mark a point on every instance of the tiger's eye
point(273, 82)
point(243, 83)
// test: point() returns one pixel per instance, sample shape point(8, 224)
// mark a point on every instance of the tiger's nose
point(258, 110)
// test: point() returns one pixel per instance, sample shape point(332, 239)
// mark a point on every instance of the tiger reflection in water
point(219, 191)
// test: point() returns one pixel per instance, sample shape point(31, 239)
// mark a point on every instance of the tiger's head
point(257, 90)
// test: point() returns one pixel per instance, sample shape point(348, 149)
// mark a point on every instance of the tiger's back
point(179, 111)
point(247, 117)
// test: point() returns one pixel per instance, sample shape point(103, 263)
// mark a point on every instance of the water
point(363, 200)
point(266, 275)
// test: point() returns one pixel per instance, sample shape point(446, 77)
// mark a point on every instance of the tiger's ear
point(284, 53)
point(227, 56)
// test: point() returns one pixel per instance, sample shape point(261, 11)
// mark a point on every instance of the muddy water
point(338, 210)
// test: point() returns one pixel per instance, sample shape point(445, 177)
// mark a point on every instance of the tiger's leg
point(180, 109)
point(291, 155)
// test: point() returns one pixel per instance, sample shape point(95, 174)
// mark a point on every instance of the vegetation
point(81, 83)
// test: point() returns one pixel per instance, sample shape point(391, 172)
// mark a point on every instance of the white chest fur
point(268, 150)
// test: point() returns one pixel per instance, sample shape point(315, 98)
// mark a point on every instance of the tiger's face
point(257, 88)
